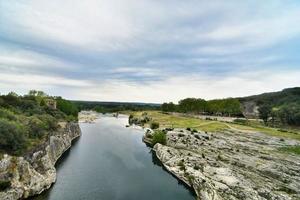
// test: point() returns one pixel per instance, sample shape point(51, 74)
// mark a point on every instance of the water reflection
point(111, 162)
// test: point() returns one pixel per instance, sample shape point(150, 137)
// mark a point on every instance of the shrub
point(36, 127)
point(4, 185)
point(50, 122)
point(11, 136)
point(159, 137)
point(181, 166)
point(196, 167)
point(4, 113)
point(154, 125)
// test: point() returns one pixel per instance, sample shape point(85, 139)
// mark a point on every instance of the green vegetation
point(181, 165)
point(106, 107)
point(224, 107)
point(4, 185)
point(275, 109)
point(27, 121)
point(159, 137)
point(177, 121)
point(281, 108)
point(154, 125)
point(291, 149)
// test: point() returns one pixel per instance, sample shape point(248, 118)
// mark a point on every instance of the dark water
point(111, 162)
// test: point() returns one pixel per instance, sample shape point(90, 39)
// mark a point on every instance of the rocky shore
point(231, 164)
point(87, 116)
point(32, 174)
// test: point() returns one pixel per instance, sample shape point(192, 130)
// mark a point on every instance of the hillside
point(276, 108)
point(27, 121)
point(282, 106)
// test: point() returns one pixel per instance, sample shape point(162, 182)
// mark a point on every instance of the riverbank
point(111, 162)
point(87, 116)
point(31, 175)
point(232, 163)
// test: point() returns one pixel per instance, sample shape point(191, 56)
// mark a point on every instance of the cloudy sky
point(149, 50)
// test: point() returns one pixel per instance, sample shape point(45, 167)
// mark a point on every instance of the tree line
point(223, 107)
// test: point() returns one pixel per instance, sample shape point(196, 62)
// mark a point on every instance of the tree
point(192, 105)
point(264, 112)
point(168, 107)
point(67, 107)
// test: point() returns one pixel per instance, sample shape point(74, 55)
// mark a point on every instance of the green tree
point(67, 107)
point(265, 112)
point(168, 107)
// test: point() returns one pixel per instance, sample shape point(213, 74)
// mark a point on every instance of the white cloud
point(155, 37)
point(176, 88)
point(136, 71)
point(30, 81)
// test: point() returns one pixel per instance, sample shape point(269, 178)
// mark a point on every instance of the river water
point(110, 162)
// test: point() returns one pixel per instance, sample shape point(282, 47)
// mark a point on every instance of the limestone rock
point(32, 175)
point(232, 165)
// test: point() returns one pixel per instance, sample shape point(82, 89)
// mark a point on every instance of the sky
point(149, 50)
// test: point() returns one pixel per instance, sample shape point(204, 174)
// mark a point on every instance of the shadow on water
point(59, 163)
point(157, 162)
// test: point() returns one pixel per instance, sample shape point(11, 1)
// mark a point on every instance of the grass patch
point(291, 149)
point(172, 121)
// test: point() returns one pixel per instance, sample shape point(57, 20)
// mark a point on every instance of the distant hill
point(274, 108)
point(276, 100)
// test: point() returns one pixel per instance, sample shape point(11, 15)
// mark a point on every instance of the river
point(110, 162)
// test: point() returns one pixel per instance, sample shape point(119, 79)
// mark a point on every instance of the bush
point(7, 114)
point(159, 137)
point(181, 165)
point(50, 122)
point(4, 185)
point(154, 125)
point(11, 136)
point(36, 127)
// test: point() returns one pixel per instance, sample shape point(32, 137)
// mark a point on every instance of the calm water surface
point(111, 162)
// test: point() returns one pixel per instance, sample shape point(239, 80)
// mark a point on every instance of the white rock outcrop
point(35, 173)
point(231, 165)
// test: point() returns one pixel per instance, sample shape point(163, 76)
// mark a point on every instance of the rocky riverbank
point(87, 116)
point(231, 164)
point(32, 174)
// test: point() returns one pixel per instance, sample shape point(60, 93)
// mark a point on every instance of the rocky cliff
point(31, 175)
point(231, 165)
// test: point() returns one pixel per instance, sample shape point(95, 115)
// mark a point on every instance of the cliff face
point(34, 174)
